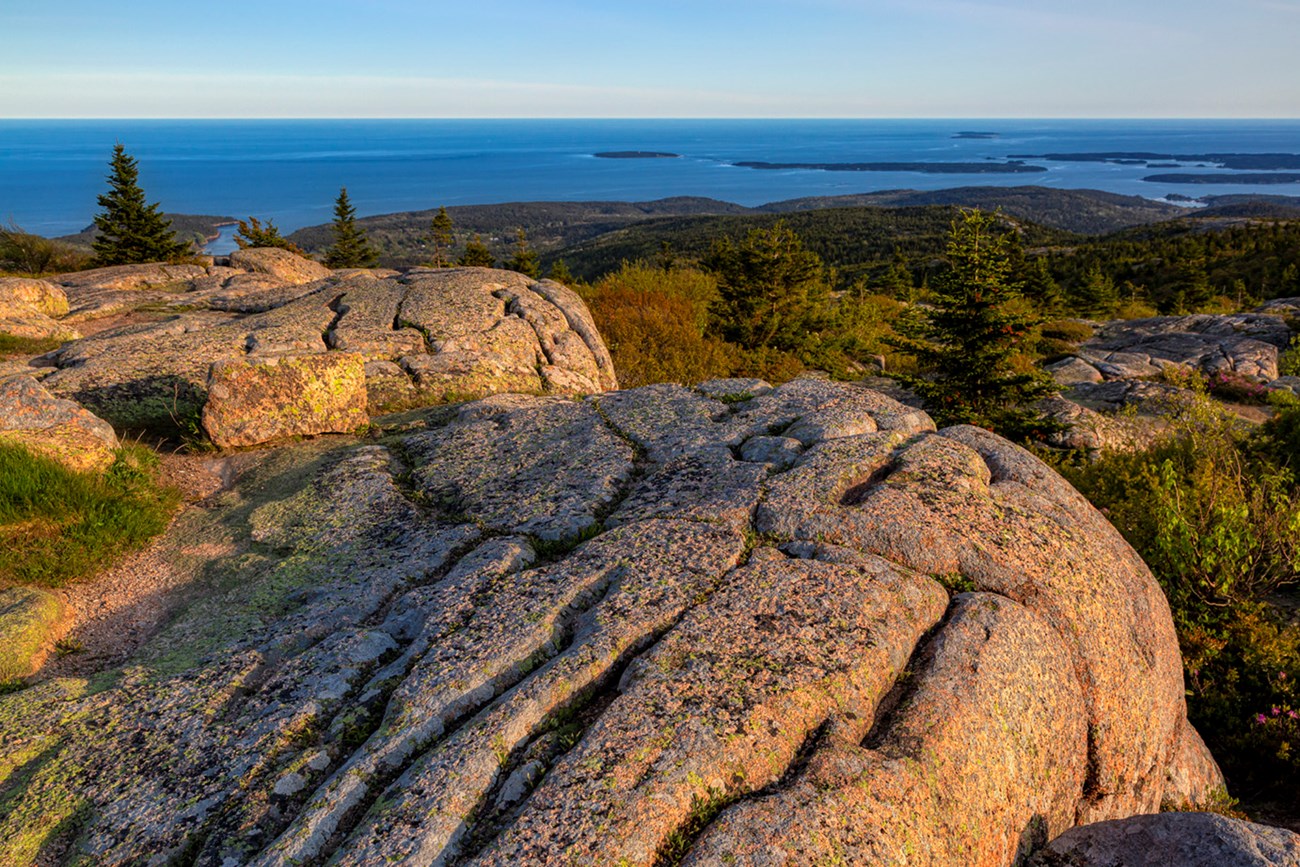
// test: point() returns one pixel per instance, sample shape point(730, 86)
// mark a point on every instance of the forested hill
point(859, 242)
point(548, 225)
point(554, 225)
point(1089, 212)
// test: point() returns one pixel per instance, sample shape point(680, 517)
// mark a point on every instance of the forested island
point(1252, 178)
point(985, 168)
point(1257, 162)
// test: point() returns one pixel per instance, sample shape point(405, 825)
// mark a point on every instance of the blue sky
point(649, 58)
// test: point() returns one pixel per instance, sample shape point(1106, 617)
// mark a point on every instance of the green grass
point(57, 525)
point(13, 345)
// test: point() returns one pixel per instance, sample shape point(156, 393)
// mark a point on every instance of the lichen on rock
point(788, 626)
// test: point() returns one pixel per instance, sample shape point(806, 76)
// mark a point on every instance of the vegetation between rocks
point(1214, 509)
point(57, 525)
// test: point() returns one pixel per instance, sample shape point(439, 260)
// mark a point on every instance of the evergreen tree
point(560, 273)
point(1192, 291)
point(441, 239)
point(1096, 296)
point(897, 279)
point(351, 247)
point(1040, 288)
point(476, 255)
point(524, 259)
point(666, 259)
point(131, 231)
point(253, 234)
point(771, 291)
point(967, 341)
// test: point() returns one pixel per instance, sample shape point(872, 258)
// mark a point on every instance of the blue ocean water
point(290, 171)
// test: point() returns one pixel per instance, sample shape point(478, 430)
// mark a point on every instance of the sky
point(650, 58)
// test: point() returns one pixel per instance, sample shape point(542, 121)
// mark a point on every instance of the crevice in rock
point(555, 738)
point(328, 337)
point(588, 335)
point(564, 636)
point(704, 810)
point(857, 492)
point(559, 733)
point(400, 322)
point(894, 701)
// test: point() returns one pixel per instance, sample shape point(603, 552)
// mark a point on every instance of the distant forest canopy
point(1093, 244)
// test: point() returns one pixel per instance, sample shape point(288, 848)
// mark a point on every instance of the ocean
point(290, 171)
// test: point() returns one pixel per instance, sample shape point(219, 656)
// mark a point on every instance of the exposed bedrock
point(651, 627)
point(425, 336)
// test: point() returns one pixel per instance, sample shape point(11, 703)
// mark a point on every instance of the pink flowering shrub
point(1235, 388)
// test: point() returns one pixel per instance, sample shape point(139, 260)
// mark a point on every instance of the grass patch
point(57, 525)
point(13, 345)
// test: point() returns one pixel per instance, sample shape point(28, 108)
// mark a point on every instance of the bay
point(291, 170)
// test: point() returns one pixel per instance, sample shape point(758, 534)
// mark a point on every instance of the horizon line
point(660, 118)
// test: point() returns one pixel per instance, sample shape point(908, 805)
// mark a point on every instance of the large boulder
point(433, 335)
point(1184, 839)
point(258, 400)
point(60, 429)
point(29, 308)
point(796, 626)
point(33, 296)
point(281, 264)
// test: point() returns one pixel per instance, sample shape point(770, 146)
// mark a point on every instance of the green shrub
point(57, 525)
point(24, 253)
point(1214, 509)
point(1066, 331)
point(1288, 363)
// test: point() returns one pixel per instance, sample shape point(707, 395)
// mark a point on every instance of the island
point(1007, 168)
point(977, 135)
point(1249, 178)
point(1255, 162)
point(636, 155)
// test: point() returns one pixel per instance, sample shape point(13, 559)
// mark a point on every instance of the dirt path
point(111, 615)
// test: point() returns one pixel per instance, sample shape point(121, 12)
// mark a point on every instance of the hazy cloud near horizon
point(723, 58)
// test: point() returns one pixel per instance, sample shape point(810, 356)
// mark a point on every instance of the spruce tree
point(967, 340)
point(129, 230)
point(476, 255)
point(351, 247)
point(560, 273)
point(771, 291)
point(441, 239)
point(524, 259)
point(1096, 296)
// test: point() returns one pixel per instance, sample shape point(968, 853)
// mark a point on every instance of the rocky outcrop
point(60, 429)
point(427, 336)
point(1185, 839)
point(280, 264)
point(30, 308)
point(260, 400)
point(1246, 344)
point(796, 625)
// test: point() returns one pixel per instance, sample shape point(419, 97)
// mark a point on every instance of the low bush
point(1214, 509)
point(32, 255)
point(57, 525)
point(653, 322)
point(1288, 362)
point(1235, 388)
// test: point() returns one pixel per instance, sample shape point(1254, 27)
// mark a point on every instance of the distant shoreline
point(636, 155)
point(986, 168)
